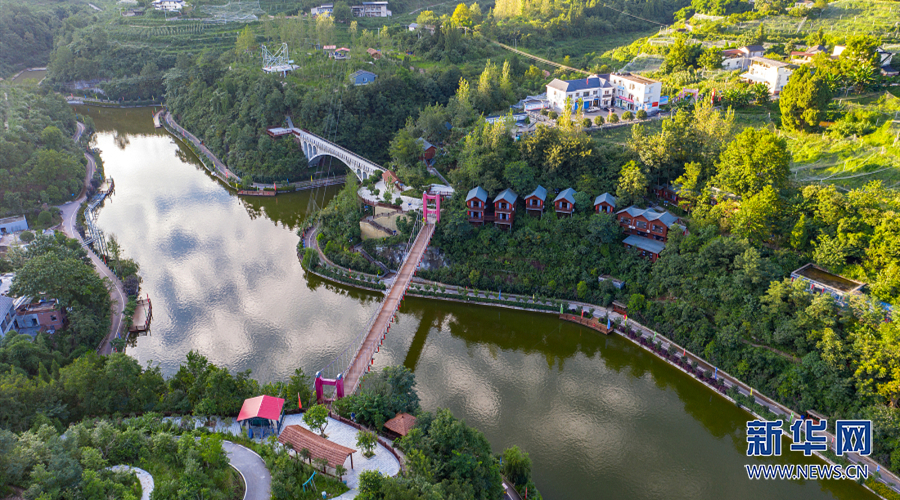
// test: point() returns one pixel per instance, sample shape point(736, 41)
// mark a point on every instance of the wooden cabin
point(534, 202)
point(477, 206)
point(564, 203)
point(605, 203)
point(505, 208)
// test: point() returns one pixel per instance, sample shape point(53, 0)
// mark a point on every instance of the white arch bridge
point(315, 147)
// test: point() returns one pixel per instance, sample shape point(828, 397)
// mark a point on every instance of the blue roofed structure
point(507, 195)
point(477, 193)
point(567, 194)
point(605, 203)
point(362, 77)
point(651, 248)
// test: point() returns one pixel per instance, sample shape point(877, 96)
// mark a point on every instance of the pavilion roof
point(401, 424)
point(267, 407)
point(319, 447)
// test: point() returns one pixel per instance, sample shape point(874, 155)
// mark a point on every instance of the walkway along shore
point(670, 352)
point(69, 213)
point(222, 172)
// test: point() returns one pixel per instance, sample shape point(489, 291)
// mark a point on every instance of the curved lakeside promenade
point(69, 212)
point(652, 341)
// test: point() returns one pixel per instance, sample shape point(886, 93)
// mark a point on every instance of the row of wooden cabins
point(647, 230)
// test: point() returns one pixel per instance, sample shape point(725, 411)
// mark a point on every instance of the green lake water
point(600, 417)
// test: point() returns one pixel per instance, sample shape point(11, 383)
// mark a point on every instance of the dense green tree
point(804, 100)
point(633, 184)
point(756, 158)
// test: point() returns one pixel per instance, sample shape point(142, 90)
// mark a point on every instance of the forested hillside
point(39, 162)
point(26, 37)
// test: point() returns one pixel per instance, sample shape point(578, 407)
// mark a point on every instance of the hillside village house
point(371, 9)
point(325, 9)
point(428, 149)
point(564, 203)
point(739, 58)
point(624, 91)
point(605, 203)
point(774, 74)
point(534, 201)
point(169, 5)
point(362, 77)
point(822, 281)
point(13, 224)
point(43, 315)
point(505, 208)
point(647, 229)
point(595, 92)
point(476, 206)
point(884, 59)
point(668, 193)
point(636, 92)
point(806, 56)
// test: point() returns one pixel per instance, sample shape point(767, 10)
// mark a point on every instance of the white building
point(371, 9)
point(169, 5)
point(774, 74)
point(595, 91)
point(634, 92)
point(322, 10)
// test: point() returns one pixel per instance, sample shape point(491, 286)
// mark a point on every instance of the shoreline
point(644, 333)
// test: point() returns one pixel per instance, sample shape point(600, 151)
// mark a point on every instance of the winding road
point(252, 468)
point(69, 212)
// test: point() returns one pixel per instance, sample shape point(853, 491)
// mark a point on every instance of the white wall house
point(595, 91)
point(322, 10)
point(169, 5)
point(774, 74)
point(634, 92)
point(371, 9)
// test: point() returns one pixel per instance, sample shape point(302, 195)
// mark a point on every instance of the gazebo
point(262, 412)
point(401, 424)
point(319, 447)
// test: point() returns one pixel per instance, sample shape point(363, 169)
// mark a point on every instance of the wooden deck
point(390, 305)
point(592, 323)
point(143, 314)
point(245, 192)
point(156, 116)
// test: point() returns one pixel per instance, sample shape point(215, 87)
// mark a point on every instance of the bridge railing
point(340, 365)
point(345, 150)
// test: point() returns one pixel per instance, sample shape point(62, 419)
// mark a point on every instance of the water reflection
point(600, 417)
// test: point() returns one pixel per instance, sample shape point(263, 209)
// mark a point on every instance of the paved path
point(345, 435)
point(388, 308)
point(69, 212)
point(252, 468)
point(143, 476)
point(221, 169)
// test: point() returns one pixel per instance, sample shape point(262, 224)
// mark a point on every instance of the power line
point(634, 16)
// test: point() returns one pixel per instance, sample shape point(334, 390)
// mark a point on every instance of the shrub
point(553, 115)
point(586, 123)
point(641, 114)
point(613, 118)
point(27, 236)
point(598, 120)
point(628, 115)
point(45, 218)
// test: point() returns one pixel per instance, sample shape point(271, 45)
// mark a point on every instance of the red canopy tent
point(262, 413)
point(266, 407)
